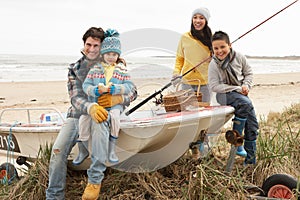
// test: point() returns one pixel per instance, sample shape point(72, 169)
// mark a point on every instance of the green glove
point(98, 113)
point(108, 100)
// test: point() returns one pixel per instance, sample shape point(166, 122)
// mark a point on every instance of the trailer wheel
point(279, 186)
point(8, 173)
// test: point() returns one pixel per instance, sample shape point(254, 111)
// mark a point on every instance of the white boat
point(148, 139)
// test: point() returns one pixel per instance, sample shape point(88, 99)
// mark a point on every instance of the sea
point(25, 68)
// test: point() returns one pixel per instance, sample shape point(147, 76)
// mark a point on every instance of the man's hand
point(108, 100)
point(98, 113)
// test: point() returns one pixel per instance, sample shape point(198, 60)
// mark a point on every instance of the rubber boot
point(82, 154)
point(238, 125)
point(201, 147)
point(250, 147)
point(112, 156)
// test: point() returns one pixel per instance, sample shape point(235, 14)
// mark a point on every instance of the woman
point(194, 47)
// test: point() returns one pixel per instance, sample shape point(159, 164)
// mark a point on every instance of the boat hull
point(147, 140)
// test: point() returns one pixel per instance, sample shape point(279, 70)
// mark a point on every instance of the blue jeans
point(204, 89)
point(243, 109)
point(100, 140)
point(62, 147)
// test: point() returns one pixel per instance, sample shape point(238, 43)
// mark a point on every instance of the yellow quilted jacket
point(191, 52)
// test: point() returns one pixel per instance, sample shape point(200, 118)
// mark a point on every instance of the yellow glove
point(98, 113)
point(108, 100)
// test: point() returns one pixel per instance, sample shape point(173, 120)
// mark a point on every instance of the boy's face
point(92, 48)
point(110, 57)
point(221, 49)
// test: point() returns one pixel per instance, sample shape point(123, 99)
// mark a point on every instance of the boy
point(230, 76)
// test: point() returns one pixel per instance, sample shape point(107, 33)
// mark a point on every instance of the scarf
point(225, 65)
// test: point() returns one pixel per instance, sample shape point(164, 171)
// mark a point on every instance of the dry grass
point(278, 152)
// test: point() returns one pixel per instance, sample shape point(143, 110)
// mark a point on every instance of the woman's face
point(199, 22)
point(221, 49)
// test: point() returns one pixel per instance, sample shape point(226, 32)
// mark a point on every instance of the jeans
point(62, 147)
point(243, 109)
point(100, 140)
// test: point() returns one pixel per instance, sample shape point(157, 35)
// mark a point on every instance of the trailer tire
point(9, 170)
point(279, 186)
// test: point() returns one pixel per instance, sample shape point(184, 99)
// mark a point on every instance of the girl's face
point(110, 57)
point(199, 22)
point(92, 48)
point(221, 49)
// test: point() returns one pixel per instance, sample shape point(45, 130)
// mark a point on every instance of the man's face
point(92, 48)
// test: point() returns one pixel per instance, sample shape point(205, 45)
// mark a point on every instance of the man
point(68, 134)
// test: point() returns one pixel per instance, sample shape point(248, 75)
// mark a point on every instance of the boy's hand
point(245, 90)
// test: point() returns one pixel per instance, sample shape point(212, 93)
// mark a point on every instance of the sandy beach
point(271, 92)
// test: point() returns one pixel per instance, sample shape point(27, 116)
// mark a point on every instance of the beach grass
point(278, 151)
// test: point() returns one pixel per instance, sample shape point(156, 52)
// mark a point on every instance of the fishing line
point(203, 61)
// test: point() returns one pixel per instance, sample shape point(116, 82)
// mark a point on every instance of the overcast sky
point(56, 27)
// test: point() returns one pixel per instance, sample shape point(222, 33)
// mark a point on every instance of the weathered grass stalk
point(278, 151)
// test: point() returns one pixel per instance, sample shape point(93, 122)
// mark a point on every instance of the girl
point(109, 76)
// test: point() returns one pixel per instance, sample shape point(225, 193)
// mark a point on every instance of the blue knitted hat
point(111, 42)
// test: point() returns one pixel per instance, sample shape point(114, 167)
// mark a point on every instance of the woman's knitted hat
point(111, 42)
point(202, 11)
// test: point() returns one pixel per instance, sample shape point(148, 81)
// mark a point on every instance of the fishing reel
point(159, 100)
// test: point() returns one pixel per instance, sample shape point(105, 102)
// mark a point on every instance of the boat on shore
point(148, 140)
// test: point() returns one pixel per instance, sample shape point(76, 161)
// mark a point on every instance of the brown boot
point(91, 192)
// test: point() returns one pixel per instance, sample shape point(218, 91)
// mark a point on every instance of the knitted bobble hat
point(111, 42)
point(202, 11)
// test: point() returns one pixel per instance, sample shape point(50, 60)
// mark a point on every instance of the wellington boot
point(250, 147)
point(238, 126)
point(112, 156)
point(82, 154)
point(241, 151)
point(91, 192)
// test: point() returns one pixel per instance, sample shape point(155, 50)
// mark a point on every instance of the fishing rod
point(163, 88)
point(264, 21)
point(203, 61)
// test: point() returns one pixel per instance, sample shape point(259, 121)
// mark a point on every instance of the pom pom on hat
point(202, 11)
point(111, 42)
